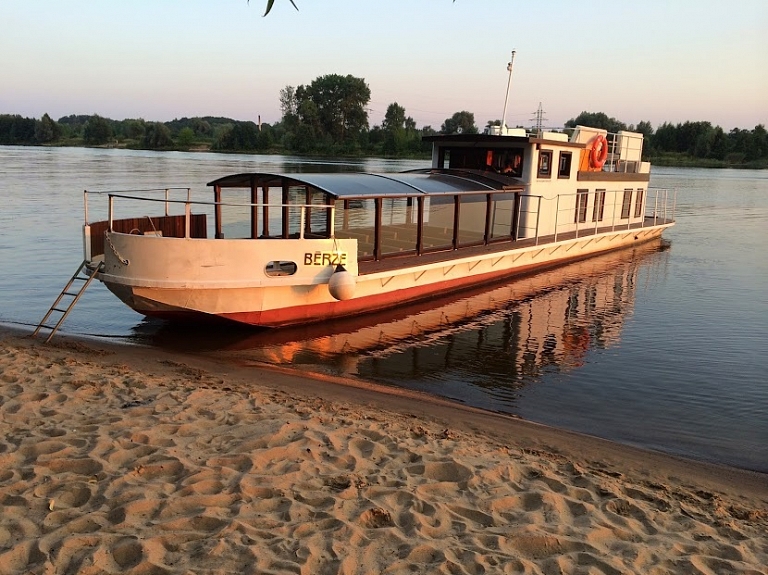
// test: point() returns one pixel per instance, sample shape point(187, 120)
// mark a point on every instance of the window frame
point(639, 196)
point(544, 168)
point(582, 201)
point(626, 204)
point(564, 174)
point(598, 207)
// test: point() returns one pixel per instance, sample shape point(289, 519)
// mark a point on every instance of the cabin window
point(472, 210)
point(502, 216)
point(355, 219)
point(280, 268)
point(564, 165)
point(545, 164)
point(399, 224)
point(510, 163)
point(598, 208)
point(236, 213)
point(582, 196)
point(468, 158)
point(317, 220)
point(626, 204)
point(443, 158)
point(639, 203)
point(438, 222)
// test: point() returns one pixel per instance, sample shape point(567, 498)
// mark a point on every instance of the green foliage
point(460, 123)
point(703, 141)
point(186, 138)
point(97, 131)
point(157, 136)
point(271, 3)
point(134, 129)
point(243, 136)
point(16, 130)
point(46, 130)
point(596, 120)
point(329, 115)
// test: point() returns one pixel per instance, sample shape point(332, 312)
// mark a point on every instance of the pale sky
point(655, 60)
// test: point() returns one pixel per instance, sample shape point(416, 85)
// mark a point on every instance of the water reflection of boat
point(544, 320)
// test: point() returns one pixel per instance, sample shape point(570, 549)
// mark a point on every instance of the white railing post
point(111, 208)
point(613, 212)
point(557, 212)
point(538, 218)
point(166, 200)
point(85, 202)
point(595, 211)
point(302, 219)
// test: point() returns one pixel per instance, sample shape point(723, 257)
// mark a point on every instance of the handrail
point(659, 203)
point(235, 204)
point(189, 202)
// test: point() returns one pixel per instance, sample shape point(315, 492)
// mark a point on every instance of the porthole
point(280, 268)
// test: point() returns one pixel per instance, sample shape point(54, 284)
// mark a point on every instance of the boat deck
point(396, 261)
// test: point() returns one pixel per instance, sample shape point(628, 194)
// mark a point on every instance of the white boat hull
point(202, 278)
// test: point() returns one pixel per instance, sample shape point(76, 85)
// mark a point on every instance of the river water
point(663, 347)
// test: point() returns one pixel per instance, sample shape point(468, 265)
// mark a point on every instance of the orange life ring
point(599, 152)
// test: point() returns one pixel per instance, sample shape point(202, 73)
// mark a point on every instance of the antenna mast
point(509, 83)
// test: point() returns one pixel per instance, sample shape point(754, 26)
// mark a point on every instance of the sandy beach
point(117, 459)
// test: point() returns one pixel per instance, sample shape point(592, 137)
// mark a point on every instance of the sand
point(125, 460)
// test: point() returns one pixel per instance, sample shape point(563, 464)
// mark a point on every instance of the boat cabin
point(482, 191)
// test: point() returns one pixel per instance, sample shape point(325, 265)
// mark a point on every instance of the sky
point(650, 60)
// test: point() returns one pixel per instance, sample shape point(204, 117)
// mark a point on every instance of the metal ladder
point(84, 274)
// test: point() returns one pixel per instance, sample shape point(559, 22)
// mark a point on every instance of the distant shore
point(670, 161)
point(126, 459)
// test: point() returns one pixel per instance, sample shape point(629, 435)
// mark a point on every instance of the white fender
point(341, 284)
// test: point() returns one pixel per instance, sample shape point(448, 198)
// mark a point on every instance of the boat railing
point(664, 205)
point(177, 219)
point(599, 211)
point(528, 213)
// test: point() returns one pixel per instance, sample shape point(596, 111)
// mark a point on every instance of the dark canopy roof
point(365, 185)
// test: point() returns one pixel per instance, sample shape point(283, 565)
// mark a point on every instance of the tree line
point(329, 116)
point(690, 143)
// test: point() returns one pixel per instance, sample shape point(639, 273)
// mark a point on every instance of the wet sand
point(118, 459)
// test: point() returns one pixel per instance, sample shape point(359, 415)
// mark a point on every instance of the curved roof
point(366, 185)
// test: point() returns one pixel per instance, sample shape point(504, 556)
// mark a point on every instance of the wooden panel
point(169, 226)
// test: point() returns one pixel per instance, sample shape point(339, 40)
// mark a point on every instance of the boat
point(293, 248)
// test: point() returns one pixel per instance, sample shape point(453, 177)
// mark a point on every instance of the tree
point(186, 137)
point(157, 135)
point(330, 112)
point(393, 126)
point(645, 128)
point(394, 119)
point(134, 129)
point(460, 123)
point(16, 130)
point(97, 131)
point(46, 130)
point(341, 105)
point(596, 120)
point(289, 106)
